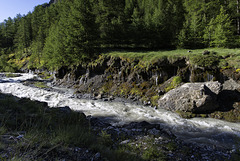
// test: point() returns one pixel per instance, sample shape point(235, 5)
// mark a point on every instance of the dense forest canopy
point(72, 31)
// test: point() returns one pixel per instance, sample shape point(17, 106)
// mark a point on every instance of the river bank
point(146, 77)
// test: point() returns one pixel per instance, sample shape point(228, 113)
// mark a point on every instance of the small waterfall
point(138, 77)
point(54, 78)
point(156, 80)
point(81, 81)
point(119, 75)
point(160, 75)
point(209, 77)
point(68, 77)
point(31, 72)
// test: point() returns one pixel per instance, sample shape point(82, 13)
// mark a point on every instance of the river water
point(200, 130)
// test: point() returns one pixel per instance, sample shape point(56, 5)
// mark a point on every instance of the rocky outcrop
point(116, 77)
point(192, 97)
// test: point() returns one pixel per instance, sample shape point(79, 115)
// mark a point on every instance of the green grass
point(151, 57)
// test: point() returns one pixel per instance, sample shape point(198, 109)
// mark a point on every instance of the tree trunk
point(238, 19)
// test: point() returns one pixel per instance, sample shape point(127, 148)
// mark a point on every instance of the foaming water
point(200, 130)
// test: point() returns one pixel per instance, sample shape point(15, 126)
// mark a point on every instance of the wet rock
point(192, 97)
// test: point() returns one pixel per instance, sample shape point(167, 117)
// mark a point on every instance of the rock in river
point(192, 97)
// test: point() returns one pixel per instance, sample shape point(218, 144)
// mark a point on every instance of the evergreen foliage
point(69, 32)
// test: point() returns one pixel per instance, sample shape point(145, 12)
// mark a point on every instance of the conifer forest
point(69, 32)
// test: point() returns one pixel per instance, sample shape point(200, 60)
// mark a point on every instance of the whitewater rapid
point(200, 130)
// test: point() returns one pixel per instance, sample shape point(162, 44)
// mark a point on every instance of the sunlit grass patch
point(231, 56)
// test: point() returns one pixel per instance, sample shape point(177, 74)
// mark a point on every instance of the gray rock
point(192, 97)
point(231, 85)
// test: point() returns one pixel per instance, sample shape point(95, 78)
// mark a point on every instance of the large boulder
point(192, 97)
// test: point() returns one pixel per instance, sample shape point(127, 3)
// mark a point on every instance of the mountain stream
point(200, 130)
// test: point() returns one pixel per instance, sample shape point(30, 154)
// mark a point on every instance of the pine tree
point(223, 31)
point(73, 38)
point(80, 31)
point(23, 36)
point(8, 32)
point(37, 48)
point(37, 20)
point(53, 52)
point(1, 38)
point(111, 19)
point(195, 21)
point(219, 31)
